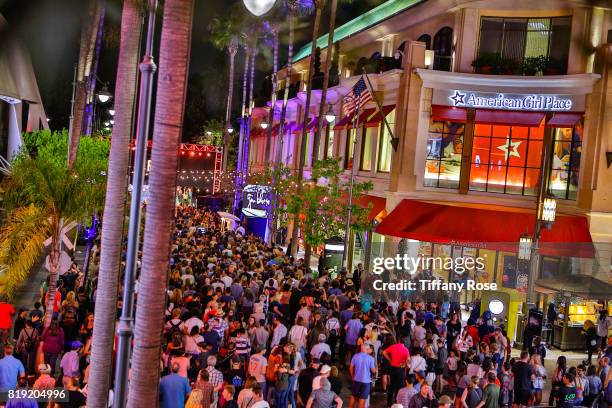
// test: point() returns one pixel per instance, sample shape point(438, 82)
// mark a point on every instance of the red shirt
point(6, 315)
point(399, 354)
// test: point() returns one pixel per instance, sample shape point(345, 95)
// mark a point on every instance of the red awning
point(365, 115)
point(289, 126)
point(448, 114)
point(377, 204)
point(485, 228)
point(509, 118)
point(376, 119)
point(299, 127)
point(564, 120)
point(345, 122)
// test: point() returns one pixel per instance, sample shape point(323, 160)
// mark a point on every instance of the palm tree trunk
point(303, 146)
point(54, 256)
point(281, 123)
point(114, 208)
point(273, 98)
point(88, 125)
point(87, 45)
point(245, 76)
point(232, 49)
point(328, 62)
point(247, 138)
point(169, 112)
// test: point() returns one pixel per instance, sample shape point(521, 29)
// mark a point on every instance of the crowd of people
point(248, 326)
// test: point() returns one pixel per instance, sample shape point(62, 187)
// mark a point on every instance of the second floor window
point(517, 39)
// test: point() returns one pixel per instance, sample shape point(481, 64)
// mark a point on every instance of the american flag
point(360, 94)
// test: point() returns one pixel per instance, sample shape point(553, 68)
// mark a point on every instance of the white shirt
point(193, 322)
point(280, 331)
point(320, 348)
point(260, 404)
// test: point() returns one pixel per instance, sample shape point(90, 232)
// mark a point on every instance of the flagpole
point(352, 181)
point(380, 110)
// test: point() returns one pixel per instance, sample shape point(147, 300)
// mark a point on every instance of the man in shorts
point(361, 369)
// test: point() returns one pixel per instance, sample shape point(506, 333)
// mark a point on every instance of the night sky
point(50, 29)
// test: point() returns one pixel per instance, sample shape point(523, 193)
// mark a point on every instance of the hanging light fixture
point(104, 95)
point(330, 116)
point(525, 243)
point(259, 7)
point(548, 210)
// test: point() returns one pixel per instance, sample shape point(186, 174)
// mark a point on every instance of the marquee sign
point(507, 101)
point(256, 200)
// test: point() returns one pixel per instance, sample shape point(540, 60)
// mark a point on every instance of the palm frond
point(21, 243)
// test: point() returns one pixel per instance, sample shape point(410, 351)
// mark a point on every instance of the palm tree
point(315, 33)
point(328, 63)
point(89, 33)
point(272, 30)
point(114, 207)
point(41, 197)
point(247, 131)
point(243, 110)
point(225, 35)
point(294, 8)
point(169, 112)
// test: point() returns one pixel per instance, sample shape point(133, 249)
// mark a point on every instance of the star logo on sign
point(510, 148)
point(458, 98)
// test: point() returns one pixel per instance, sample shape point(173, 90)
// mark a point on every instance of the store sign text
point(535, 102)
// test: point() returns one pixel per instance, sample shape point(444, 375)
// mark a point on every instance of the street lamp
point(107, 123)
point(264, 125)
point(525, 243)
point(548, 210)
point(259, 7)
point(330, 116)
point(104, 95)
point(230, 129)
point(111, 112)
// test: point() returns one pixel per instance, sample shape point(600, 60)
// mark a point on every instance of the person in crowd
point(7, 311)
point(399, 358)
point(361, 370)
point(10, 369)
point(522, 380)
point(173, 389)
point(324, 397)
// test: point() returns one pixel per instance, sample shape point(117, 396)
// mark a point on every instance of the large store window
point(515, 39)
point(566, 162)
point(368, 134)
point(444, 149)
point(506, 159)
point(384, 145)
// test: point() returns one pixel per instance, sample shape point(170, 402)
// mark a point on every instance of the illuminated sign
point(256, 200)
point(532, 102)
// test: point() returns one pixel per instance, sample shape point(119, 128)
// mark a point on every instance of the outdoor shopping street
point(305, 204)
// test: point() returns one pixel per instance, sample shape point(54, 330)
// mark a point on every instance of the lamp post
point(330, 116)
point(347, 231)
point(264, 125)
point(125, 330)
point(104, 95)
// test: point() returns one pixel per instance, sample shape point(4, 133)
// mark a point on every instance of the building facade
point(492, 104)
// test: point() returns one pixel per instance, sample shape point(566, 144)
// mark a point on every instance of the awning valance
point(345, 122)
point(376, 119)
point(448, 114)
point(485, 228)
point(508, 118)
point(564, 120)
point(365, 115)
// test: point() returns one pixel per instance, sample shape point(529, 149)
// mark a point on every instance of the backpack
point(30, 342)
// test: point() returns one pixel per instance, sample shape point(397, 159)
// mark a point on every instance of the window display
point(506, 159)
point(444, 150)
point(384, 145)
point(566, 162)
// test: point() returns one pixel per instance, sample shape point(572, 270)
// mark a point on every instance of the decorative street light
point(107, 123)
point(104, 95)
point(111, 112)
point(330, 116)
point(548, 210)
point(264, 125)
point(229, 128)
point(259, 7)
point(525, 243)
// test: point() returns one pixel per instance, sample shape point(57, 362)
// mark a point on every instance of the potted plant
point(533, 65)
point(487, 63)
